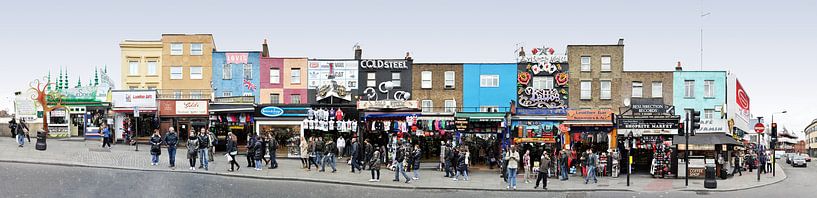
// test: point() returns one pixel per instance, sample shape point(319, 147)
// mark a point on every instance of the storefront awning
point(482, 116)
point(706, 139)
point(588, 123)
point(232, 108)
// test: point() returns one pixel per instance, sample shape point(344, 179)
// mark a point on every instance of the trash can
point(710, 181)
point(40, 145)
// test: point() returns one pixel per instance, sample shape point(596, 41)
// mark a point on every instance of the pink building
point(283, 80)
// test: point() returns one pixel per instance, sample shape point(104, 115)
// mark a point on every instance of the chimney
point(408, 56)
point(358, 52)
point(678, 67)
point(620, 41)
point(264, 49)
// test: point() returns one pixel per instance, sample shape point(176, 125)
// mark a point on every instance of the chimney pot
point(678, 66)
point(620, 41)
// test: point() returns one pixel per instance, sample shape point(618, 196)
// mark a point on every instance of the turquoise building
point(703, 91)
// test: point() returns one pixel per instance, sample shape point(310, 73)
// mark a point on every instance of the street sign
point(759, 128)
point(136, 111)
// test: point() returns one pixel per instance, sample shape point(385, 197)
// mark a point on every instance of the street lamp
point(773, 144)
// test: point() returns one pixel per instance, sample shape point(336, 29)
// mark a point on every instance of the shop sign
point(544, 112)
point(191, 107)
point(543, 139)
point(461, 123)
point(57, 113)
point(708, 126)
point(648, 123)
point(697, 147)
point(58, 131)
point(589, 114)
point(388, 104)
point(696, 172)
point(344, 73)
point(237, 58)
point(383, 64)
point(651, 105)
point(272, 111)
point(130, 99)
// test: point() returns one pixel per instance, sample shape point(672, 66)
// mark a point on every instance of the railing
point(176, 94)
point(462, 109)
point(235, 100)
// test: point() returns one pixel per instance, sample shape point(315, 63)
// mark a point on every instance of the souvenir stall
point(590, 129)
point(285, 122)
point(231, 114)
point(431, 131)
point(480, 132)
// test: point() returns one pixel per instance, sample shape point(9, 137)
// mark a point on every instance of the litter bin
point(40, 145)
point(710, 181)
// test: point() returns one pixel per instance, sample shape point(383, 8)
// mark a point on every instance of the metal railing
point(176, 94)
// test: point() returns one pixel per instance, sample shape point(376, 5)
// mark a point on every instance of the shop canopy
point(482, 116)
point(706, 139)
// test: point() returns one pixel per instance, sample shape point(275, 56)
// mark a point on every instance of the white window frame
point(450, 106)
point(450, 77)
point(488, 80)
point(708, 115)
point(539, 82)
point(425, 79)
point(371, 79)
point(689, 88)
point(709, 88)
point(176, 49)
point(227, 94)
point(133, 67)
point(395, 79)
point(275, 96)
point(196, 72)
point(227, 72)
point(638, 89)
point(606, 89)
point(152, 66)
point(274, 76)
point(488, 108)
point(657, 89)
point(586, 88)
point(427, 105)
point(293, 97)
point(196, 49)
point(176, 73)
point(606, 62)
point(295, 75)
point(247, 71)
point(585, 64)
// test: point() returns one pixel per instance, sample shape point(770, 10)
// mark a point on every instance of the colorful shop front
point(589, 129)
point(186, 116)
point(232, 114)
point(126, 104)
point(285, 122)
point(385, 103)
point(646, 130)
point(84, 110)
point(483, 133)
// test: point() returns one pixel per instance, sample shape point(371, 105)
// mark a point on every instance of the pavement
point(123, 157)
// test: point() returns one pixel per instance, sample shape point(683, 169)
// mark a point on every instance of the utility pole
point(702, 33)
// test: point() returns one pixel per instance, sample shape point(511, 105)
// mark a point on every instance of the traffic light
point(774, 130)
point(695, 122)
point(681, 129)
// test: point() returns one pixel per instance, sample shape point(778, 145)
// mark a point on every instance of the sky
point(768, 44)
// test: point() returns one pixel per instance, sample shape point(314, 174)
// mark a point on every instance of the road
point(22, 180)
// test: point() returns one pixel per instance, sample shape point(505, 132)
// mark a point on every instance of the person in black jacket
point(368, 151)
point(355, 155)
point(400, 161)
point(250, 152)
point(155, 148)
point(273, 146)
point(319, 148)
point(257, 149)
point(232, 150)
point(172, 140)
point(204, 148)
point(417, 154)
point(449, 155)
point(330, 153)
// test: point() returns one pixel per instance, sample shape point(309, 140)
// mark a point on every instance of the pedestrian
point(526, 165)
point(591, 161)
point(155, 148)
point(368, 151)
point(513, 164)
point(417, 154)
point(18, 130)
point(442, 156)
point(544, 165)
point(355, 155)
point(400, 162)
point(341, 146)
point(374, 166)
point(304, 152)
point(264, 139)
point(232, 151)
point(251, 139)
point(736, 164)
point(25, 129)
point(312, 154)
point(330, 154)
point(204, 148)
point(172, 140)
point(13, 127)
point(106, 136)
point(564, 159)
point(449, 160)
point(257, 149)
point(212, 145)
point(319, 149)
point(272, 147)
point(462, 165)
point(192, 150)
point(616, 163)
point(751, 160)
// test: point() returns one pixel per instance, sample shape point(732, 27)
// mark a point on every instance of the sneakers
point(415, 178)
point(372, 180)
point(455, 179)
point(377, 180)
point(408, 181)
point(514, 188)
point(507, 187)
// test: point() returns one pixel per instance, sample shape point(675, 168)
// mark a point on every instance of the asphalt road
point(27, 180)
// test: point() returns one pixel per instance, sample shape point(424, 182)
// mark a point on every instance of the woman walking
point(374, 166)
point(513, 166)
point(106, 136)
point(304, 153)
point(192, 150)
point(416, 162)
point(526, 166)
point(155, 148)
point(232, 150)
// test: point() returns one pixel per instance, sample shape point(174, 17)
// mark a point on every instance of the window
point(295, 99)
point(176, 49)
point(689, 89)
point(425, 77)
point(176, 73)
point(196, 49)
point(427, 105)
point(450, 106)
point(586, 90)
point(606, 89)
point(709, 89)
point(227, 94)
point(247, 71)
point(638, 89)
point(151, 87)
point(708, 115)
point(370, 79)
point(195, 72)
point(227, 72)
point(274, 76)
point(195, 95)
point(488, 80)
point(247, 94)
point(296, 76)
point(133, 87)
point(152, 68)
point(657, 89)
point(540, 82)
point(395, 79)
point(585, 63)
point(134, 68)
point(605, 63)
point(489, 109)
point(177, 94)
point(449, 79)
point(274, 98)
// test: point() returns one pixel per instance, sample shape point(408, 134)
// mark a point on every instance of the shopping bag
point(229, 158)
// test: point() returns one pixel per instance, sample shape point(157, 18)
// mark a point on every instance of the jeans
point(318, 159)
point(154, 159)
point(591, 173)
point(273, 162)
point(171, 153)
point(543, 178)
point(564, 172)
point(258, 164)
point(21, 139)
point(355, 164)
point(463, 172)
point(448, 172)
point(203, 158)
point(400, 170)
point(512, 177)
point(378, 174)
point(331, 160)
point(417, 173)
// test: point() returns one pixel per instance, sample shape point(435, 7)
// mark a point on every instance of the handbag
point(229, 158)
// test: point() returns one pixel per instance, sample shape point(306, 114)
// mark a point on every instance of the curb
point(737, 189)
point(313, 180)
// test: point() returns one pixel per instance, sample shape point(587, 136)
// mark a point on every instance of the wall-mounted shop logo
point(272, 111)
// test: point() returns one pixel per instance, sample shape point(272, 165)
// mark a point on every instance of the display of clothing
point(338, 115)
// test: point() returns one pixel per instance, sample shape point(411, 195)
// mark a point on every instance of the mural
point(542, 79)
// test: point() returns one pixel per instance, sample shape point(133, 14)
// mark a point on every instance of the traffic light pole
point(757, 149)
point(686, 150)
point(772, 144)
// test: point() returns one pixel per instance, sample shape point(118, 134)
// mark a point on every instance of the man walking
point(355, 155)
point(563, 161)
point(449, 158)
point(273, 146)
point(368, 151)
point(204, 146)
point(212, 147)
point(341, 146)
point(330, 152)
point(591, 166)
point(172, 140)
point(400, 160)
point(319, 150)
point(544, 165)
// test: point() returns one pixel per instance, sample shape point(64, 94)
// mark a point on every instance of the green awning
point(482, 116)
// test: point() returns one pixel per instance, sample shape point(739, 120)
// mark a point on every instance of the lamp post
point(758, 146)
point(773, 144)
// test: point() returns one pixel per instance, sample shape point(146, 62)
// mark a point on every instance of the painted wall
point(186, 60)
point(384, 74)
point(285, 87)
point(236, 83)
point(699, 102)
point(475, 96)
point(141, 51)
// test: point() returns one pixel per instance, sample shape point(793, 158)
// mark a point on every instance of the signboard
point(624, 123)
point(589, 114)
point(272, 111)
point(191, 108)
point(461, 123)
point(57, 113)
point(344, 72)
point(759, 128)
point(741, 97)
point(383, 64)
point(136, 111)
point(24, 107)
point(541, 111)
point(130, 99)
point(544, 139)
point(236, 58)
point(651, 105)
point(388, 104)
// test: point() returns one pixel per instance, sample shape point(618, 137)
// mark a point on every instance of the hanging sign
point(589, 114)
point(388, 104)
point(272, 111)
point(647, 123)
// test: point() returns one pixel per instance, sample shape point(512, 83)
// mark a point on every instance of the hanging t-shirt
point(310, 114)
point(354, 125)
point(338, 115)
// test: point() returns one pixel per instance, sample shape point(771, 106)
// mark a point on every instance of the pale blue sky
point(769, 44)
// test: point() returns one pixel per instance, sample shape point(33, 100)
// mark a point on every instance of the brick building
point(595, 75)
point(438, 87)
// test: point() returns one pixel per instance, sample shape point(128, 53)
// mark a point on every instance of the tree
point(42, 97)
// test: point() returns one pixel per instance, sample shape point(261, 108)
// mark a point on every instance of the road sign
point(759, 128)
point(136, 111)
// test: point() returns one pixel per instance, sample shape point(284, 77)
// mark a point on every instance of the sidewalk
point(90, 154)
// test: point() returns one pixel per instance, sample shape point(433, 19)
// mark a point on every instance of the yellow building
point(187, 61)
point(141, 64)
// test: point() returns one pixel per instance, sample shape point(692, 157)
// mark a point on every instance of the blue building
point(703, 91)
point(236, 73)
point(488, 87)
